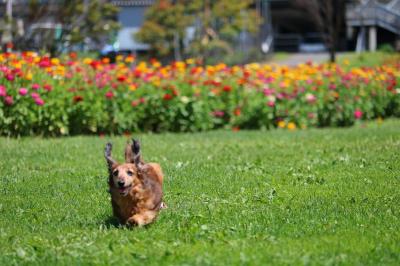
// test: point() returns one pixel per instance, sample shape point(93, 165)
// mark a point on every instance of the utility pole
point(6, 37)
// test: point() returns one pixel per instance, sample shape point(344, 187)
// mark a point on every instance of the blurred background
point(226, 30)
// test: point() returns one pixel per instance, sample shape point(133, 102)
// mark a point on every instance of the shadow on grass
point(112, 222)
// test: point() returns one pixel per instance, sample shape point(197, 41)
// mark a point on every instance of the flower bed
point(52, 96)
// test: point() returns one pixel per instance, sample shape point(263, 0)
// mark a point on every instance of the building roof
point(133, 2)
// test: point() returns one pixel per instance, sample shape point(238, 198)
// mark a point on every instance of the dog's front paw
point(131, 221)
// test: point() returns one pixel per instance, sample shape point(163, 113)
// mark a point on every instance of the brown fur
point(140, 199)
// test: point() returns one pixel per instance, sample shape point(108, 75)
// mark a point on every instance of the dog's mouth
point(124, 190)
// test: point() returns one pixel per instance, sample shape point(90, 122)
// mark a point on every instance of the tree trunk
point(332, 54)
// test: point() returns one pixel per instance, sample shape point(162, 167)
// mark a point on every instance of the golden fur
point(135, 187)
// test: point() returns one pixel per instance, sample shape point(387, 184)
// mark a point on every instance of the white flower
point(185, 99)
point(271, 98)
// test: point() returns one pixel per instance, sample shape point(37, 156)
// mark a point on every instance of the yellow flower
point(55, 61)
point(281, 124)
point(132, 87)
point(190, 61)
point(87, 61)
point(119, 58)
point(129, 59)
point(28, 75)
point(156, 64)
point(291, 126)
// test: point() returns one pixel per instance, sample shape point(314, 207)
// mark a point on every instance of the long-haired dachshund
point(135, 187)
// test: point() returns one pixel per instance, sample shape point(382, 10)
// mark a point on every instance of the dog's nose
point(121, 183)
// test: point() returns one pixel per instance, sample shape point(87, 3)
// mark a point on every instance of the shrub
point(68, 96)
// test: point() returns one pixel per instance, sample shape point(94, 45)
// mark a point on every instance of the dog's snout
point(121, 183)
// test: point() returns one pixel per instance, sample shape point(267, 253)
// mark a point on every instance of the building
point(373, 23)
point(131, 17)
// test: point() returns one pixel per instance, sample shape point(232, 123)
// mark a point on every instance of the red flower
point(135, 103)
point(73, 55)
point(167, 97)
point(109, 95)
point(237, 111)
point(121, 78)
point(77, 99)
point(48, 87)
point(227, 88)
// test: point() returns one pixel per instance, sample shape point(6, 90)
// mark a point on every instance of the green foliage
point(233, 199)
point(386, 48)
point(164, 27)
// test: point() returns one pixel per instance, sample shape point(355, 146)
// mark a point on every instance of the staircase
point(373, 13)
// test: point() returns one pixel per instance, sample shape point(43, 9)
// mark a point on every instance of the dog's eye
point(115, 173)
point(130, 173)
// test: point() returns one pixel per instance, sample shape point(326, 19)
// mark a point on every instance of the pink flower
point(358, 114)
point(35, 95)
point(271, 103)
point(280, 96)
point(109, 95)
point(310, 98)
point(35, 87)
point(3, 91)
point(39, 101)
point(268, 91)
point(332, 86)
point(8, 100)
point(23, 91)
point(269, 80)
point(10, 77)
point(218, 113)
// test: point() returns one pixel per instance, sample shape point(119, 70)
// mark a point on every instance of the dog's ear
point(137, 158)
point(129, 153)
point(111, 163)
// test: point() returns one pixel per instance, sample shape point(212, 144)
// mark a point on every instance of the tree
point(217, 25)
point(220, 23)
point(75, 22)
point(164, 27)
point(328, 16)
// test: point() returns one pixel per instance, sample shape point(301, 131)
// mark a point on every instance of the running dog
point(135, 187)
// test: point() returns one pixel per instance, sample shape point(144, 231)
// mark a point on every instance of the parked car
point(312, 43)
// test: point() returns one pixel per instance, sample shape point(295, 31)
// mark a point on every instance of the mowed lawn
point(320, 196)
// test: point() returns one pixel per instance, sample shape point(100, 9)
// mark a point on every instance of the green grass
point(368, 59)
point(327, 196)
point(279, 56)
